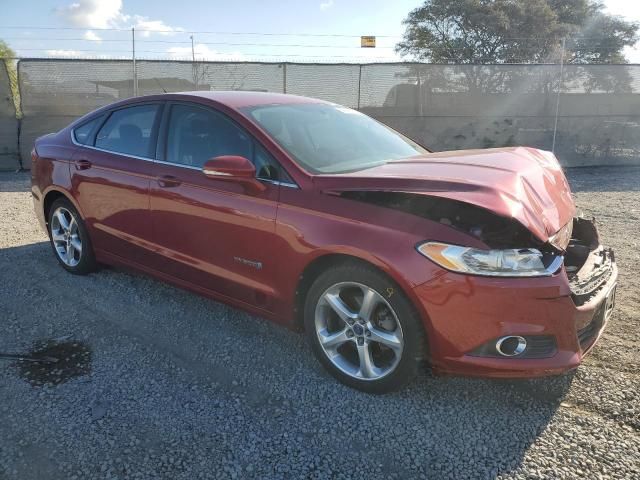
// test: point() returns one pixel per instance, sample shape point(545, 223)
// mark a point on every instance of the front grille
point(588, 333)
point(540, 346)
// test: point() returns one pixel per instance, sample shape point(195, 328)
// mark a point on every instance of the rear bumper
point(463, 313)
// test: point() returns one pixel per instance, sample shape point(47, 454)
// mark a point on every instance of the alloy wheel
point(358, 331)
point(66, 237)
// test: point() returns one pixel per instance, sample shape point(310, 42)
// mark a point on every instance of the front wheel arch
point(329, 260)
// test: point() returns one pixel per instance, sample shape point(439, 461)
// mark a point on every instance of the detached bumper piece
point(593, 276)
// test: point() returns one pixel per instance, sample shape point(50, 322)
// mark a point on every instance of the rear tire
point(363, 328)
point(69, 238)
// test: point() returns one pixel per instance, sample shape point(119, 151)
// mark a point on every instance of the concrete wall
point(8, 124)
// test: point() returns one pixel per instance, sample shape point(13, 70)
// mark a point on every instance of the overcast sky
point(76, 28)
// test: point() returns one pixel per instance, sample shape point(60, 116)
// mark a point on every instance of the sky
point(303, 30)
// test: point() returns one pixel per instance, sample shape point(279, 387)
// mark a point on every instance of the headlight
point(562, 237)
point(519, 262)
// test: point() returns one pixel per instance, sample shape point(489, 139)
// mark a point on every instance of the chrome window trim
point(171, 164)
point(107, 151)
point(162, 162)
point(279, 183)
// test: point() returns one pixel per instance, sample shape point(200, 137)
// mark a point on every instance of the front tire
point(70, 239)
point(363, 329)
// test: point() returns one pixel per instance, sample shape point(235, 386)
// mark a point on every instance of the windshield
point(326, 138)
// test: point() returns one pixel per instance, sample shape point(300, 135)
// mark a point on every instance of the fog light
point(511, 346)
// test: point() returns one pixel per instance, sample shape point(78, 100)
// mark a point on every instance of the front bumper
point(463, 312)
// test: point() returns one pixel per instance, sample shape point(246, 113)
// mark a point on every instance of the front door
point(216, 234)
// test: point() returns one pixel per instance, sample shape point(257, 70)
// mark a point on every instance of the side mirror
point(235, 169)
point(229, 167)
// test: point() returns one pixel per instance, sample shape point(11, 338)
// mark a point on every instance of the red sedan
point(322, 219)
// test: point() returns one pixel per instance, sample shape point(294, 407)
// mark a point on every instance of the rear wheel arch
point(51, 196)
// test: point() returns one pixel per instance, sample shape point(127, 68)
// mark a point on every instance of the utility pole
point(555, 125)
point(194, 68)
point(133, 56)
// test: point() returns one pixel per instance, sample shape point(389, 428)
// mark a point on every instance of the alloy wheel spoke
point(333, 340)
point(389, 339)
point(62, 220)
point(367, 367)
point(338, 306)
point(76, 244)
point(70, 254)
point(57, 237)
point(369, 302)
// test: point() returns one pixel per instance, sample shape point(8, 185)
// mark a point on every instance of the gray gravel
point(183, 387)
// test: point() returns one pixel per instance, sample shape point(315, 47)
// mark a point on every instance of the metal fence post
point(133, 56)
point(194, 67)
point(359, 84)
point(284, 77)
point(555, 124)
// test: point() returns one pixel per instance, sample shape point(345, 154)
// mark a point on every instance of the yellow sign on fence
point(368, 42)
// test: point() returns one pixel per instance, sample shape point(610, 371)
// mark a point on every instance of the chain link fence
point(588, 114)
point(8, 123)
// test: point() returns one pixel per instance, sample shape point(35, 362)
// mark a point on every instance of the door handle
point(82, 164)
point(168, 181)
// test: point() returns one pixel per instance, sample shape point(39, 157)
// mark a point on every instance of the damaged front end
point(495, 231)
point(588, 264)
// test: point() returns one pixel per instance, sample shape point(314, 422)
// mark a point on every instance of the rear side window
point(82, 134)
point(129, 131)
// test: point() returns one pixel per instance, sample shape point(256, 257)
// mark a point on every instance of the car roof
point(240, 99)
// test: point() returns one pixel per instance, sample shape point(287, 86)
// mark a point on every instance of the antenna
point(159, 84)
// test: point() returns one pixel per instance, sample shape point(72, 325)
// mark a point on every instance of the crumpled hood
point(520, 182)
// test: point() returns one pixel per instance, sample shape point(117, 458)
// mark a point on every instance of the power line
point(177, 31)
point(184, 31)
point(231, 54)
point(174, 42)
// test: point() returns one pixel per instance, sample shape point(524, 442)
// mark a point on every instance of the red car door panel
point(217, 234)
point(214, 233)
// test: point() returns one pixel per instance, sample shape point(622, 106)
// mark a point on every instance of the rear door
point(217, 234)
point(112, 171)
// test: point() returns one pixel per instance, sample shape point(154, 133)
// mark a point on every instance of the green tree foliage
point(515, 31)
point(8, 56)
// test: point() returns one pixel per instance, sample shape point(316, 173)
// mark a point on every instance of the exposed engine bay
point(492, 229)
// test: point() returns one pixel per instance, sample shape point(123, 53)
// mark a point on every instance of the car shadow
point(141, 329)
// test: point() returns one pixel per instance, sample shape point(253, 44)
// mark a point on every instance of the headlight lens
point(521, 262)
point(562, 237)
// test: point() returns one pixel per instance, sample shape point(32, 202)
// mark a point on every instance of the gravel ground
point(177, 386)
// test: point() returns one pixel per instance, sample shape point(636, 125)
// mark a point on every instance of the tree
point(515, 31)
point(8, 56)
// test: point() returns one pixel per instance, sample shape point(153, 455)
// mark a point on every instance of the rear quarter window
point(83, 133)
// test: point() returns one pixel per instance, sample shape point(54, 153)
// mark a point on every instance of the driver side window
point(197, 134)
